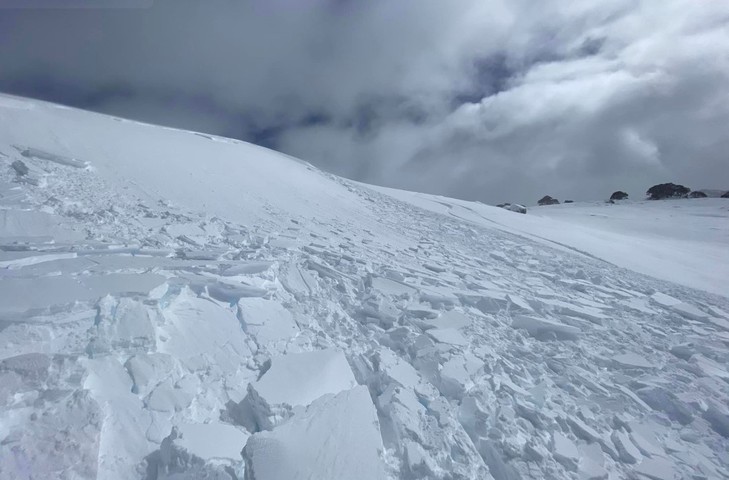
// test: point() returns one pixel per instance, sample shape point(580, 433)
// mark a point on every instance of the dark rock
point(697, 194)
point(619, 195)
point(547, 200)
point(20, 167)
point(569, 201)
point(726, 195)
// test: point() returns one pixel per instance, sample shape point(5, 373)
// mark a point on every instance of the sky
point(489, 100)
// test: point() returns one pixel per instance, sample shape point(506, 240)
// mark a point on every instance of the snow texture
point(180, 306)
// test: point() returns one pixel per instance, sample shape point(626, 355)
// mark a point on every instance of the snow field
point(151, 328)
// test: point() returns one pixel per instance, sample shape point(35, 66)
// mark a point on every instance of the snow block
point(450, 319)
point(122, 323)
point(268, 321)
point(632, 360)
point(541, 327)
point(337, 437)
point(627, 451)
point(296, 380)
point(565, 451)
point(657, 468)
point(194, 451)
point(718, 418)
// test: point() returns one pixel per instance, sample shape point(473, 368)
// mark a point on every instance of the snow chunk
point(540, 327)
point(449, 336)
point(297, 379)
point(451, 319)
point(627, 451)
point(583, 430)
point(718, 418)
point(690, 311)
point(645, 446)
point(709, 367)
point(201, 334)
point(632, 360)
point(169, 397)
point(397, 369)
point(146, 370)
point(247, 268)
point(266, 320)
point(391, 287)
point(212, 441)
point(565, 451)
point(657, 468)
point(337, 437)
point(592, 463)
point(31, 152)
point(664, 300)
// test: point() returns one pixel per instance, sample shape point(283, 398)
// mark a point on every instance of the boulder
point(619, 195)
point(547, 200)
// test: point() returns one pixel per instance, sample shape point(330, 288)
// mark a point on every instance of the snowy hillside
point(176, 305)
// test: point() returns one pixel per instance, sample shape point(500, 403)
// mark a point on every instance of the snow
point(336, 437)
point(169, 298)
point(640, 236)
point(212, 441)
point(657, 469)
point(632, 360)
point(289, 383)
point(540, 326)
point(565, 451)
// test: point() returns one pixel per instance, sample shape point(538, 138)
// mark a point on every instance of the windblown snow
point(178, 305)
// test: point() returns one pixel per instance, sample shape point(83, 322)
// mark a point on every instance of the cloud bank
point(487, 100)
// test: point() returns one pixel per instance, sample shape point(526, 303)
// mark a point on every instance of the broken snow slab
point(591, 314)
point(19, 295)
point(31, 152)
point(391, 287)
point(216, 442)
point(420, 311)
point(632, 360)
point(37, 227)
point(450, 319)
point(448, 336)
point(296, 379)
point(222, 346)
point(247, 268)
point(439, 297)
point(196, 450)
point(657, 468)
point(541, 328)
point(397, 369)
point(676, 305)
point(664, 300)
point(337, 437)
point(266, 320)
point(592, 462)
point(689, 311)
point(565, 451)
point(710, 367)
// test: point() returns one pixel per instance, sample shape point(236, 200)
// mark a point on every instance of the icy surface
point(169, 298)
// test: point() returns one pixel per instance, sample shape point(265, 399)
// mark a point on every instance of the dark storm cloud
point(495, 100)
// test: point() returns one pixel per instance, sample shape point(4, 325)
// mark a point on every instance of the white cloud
point(577, 98)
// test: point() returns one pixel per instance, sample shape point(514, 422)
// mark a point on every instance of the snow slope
point(176, 305)
point(679, 241)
